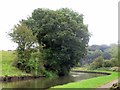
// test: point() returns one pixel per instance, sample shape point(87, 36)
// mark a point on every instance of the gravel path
point(108, 85)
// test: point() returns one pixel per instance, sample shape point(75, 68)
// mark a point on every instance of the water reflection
point(49, 82)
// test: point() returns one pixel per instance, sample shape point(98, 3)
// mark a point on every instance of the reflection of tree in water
point(43, 82)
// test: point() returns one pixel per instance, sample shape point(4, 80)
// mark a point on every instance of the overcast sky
point(100, 15)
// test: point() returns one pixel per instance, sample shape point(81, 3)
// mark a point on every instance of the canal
point(44, 82)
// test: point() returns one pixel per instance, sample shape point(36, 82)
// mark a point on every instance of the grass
point(7, 69)
point(92, 82)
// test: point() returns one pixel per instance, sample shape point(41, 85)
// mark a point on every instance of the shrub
point(98, 62)
point(49, 74)
point(107, 63)
point(114, 62)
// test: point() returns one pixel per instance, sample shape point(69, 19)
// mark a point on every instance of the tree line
point(102, 56)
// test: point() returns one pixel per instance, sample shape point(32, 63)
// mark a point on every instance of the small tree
point(25, 39)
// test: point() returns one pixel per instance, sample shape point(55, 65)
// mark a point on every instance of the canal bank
point(17, 78)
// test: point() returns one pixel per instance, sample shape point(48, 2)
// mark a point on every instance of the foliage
point(109, 54)
point(63, 36)
point(49, 74)
point(98, 47)
point(107, 63)
point(95, 51)
point(106, 55)
point(23, 36)
point(98, 62)
point(114, 62)
point(114, 50)
point(34, 64)
point(103, 47)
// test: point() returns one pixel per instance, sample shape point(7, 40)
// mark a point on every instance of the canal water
point(49, 82)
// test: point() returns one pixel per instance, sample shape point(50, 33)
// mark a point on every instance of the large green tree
point(63, 36)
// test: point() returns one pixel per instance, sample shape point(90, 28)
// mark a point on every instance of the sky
point(100, 15)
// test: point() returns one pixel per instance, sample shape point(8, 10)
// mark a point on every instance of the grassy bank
point(6, 60)
point(91, 83)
